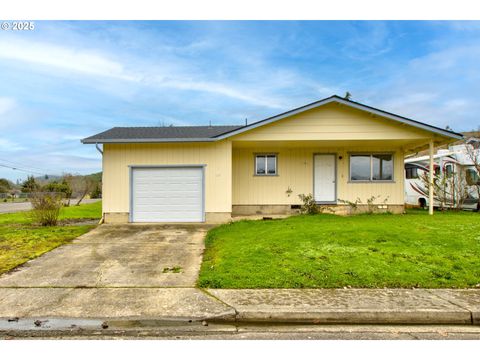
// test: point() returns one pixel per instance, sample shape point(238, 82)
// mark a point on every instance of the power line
point(23, 166)
point(19, 169)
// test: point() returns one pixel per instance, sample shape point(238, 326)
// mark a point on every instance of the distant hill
point(97, 177)
point(45, 179)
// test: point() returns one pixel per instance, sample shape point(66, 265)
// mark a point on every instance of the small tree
point(87, 185)
point(46, 207)
point(473, 153)
point(59, 187)
point(96, 192)
point(5, 186)
point(449, 189)
point(30, 185)
point(80, 185)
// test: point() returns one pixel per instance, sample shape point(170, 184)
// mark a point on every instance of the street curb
point(418, 307)
point(359, 318)
point(68, 327)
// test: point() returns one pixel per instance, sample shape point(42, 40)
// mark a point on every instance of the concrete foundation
point(210, 218)
point(361, 209)
point(115, 218)
point(238, 210)
point(248, 210)
point(217, 217)
point(244, 210)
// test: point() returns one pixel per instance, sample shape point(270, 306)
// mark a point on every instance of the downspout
point(102, 220)
point(99, 150)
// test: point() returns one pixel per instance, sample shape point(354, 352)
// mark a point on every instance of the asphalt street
point(258, 332)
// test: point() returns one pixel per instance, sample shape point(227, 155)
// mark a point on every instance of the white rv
point(455, 168)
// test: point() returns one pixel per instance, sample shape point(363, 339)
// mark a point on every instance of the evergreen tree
point(30, 185)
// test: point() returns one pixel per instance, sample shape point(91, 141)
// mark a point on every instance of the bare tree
point(86, 186)
point(449, 189)
point(473, 153)
point(69, 179)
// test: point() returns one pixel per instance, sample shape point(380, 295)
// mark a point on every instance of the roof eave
point(352, 104)
point(136, 140)
point(334, 98)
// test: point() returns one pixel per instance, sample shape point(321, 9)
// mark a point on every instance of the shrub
point(46, 208)
point(56, 187)
point(30, 185)
point(96, 192)
point(5, 185)
point(309, 205)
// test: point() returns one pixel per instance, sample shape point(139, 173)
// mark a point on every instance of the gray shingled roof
point(215, 133)
point(144, 134)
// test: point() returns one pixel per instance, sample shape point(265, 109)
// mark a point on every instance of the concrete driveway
point(114, 271)
point(119, 256)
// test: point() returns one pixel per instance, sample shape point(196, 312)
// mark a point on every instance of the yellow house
point(336, 149)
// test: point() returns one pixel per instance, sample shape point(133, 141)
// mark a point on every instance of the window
point(266, 164)
point(472, 177)
point(411, 172)
point(449, 170)
point(371, 167)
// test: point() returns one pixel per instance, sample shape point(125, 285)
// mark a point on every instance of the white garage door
point(167, 194)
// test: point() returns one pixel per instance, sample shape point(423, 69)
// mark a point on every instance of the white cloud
point(73, 59)
point(6, 105)
point(220, 89)
point(259, 88)
point(7, 145)
point(466, 25)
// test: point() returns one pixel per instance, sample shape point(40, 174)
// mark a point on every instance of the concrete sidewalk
point(322, 306)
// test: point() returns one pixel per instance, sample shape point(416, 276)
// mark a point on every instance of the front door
point(324, 178)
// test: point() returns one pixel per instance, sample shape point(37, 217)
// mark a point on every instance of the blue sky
point(69, 80)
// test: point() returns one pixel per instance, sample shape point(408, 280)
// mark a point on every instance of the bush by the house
point(309, 205)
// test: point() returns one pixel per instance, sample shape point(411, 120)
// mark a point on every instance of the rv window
point(449, 170)
point(411, 173)
point(371, 167)
point(472, 177)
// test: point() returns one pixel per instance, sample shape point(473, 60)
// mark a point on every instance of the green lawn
point(21, 240)
point(328, 251)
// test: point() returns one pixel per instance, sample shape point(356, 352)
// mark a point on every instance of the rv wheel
point(422, 203)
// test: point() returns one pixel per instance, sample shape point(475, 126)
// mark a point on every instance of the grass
point(363, 251)
point(85, 211)
point(22, 240)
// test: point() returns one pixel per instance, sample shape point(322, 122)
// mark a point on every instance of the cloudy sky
point(67, 80)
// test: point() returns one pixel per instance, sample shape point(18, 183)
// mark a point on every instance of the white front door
point(324, 183)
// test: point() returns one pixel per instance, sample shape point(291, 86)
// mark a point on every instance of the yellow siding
point(295, 171)
point(218, 172)
point(230, 176)
point(333, 122)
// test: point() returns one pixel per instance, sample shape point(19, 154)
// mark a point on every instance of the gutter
point(153, 140)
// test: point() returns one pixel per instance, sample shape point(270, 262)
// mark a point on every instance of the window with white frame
point(371, 167)
point(266, 164)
